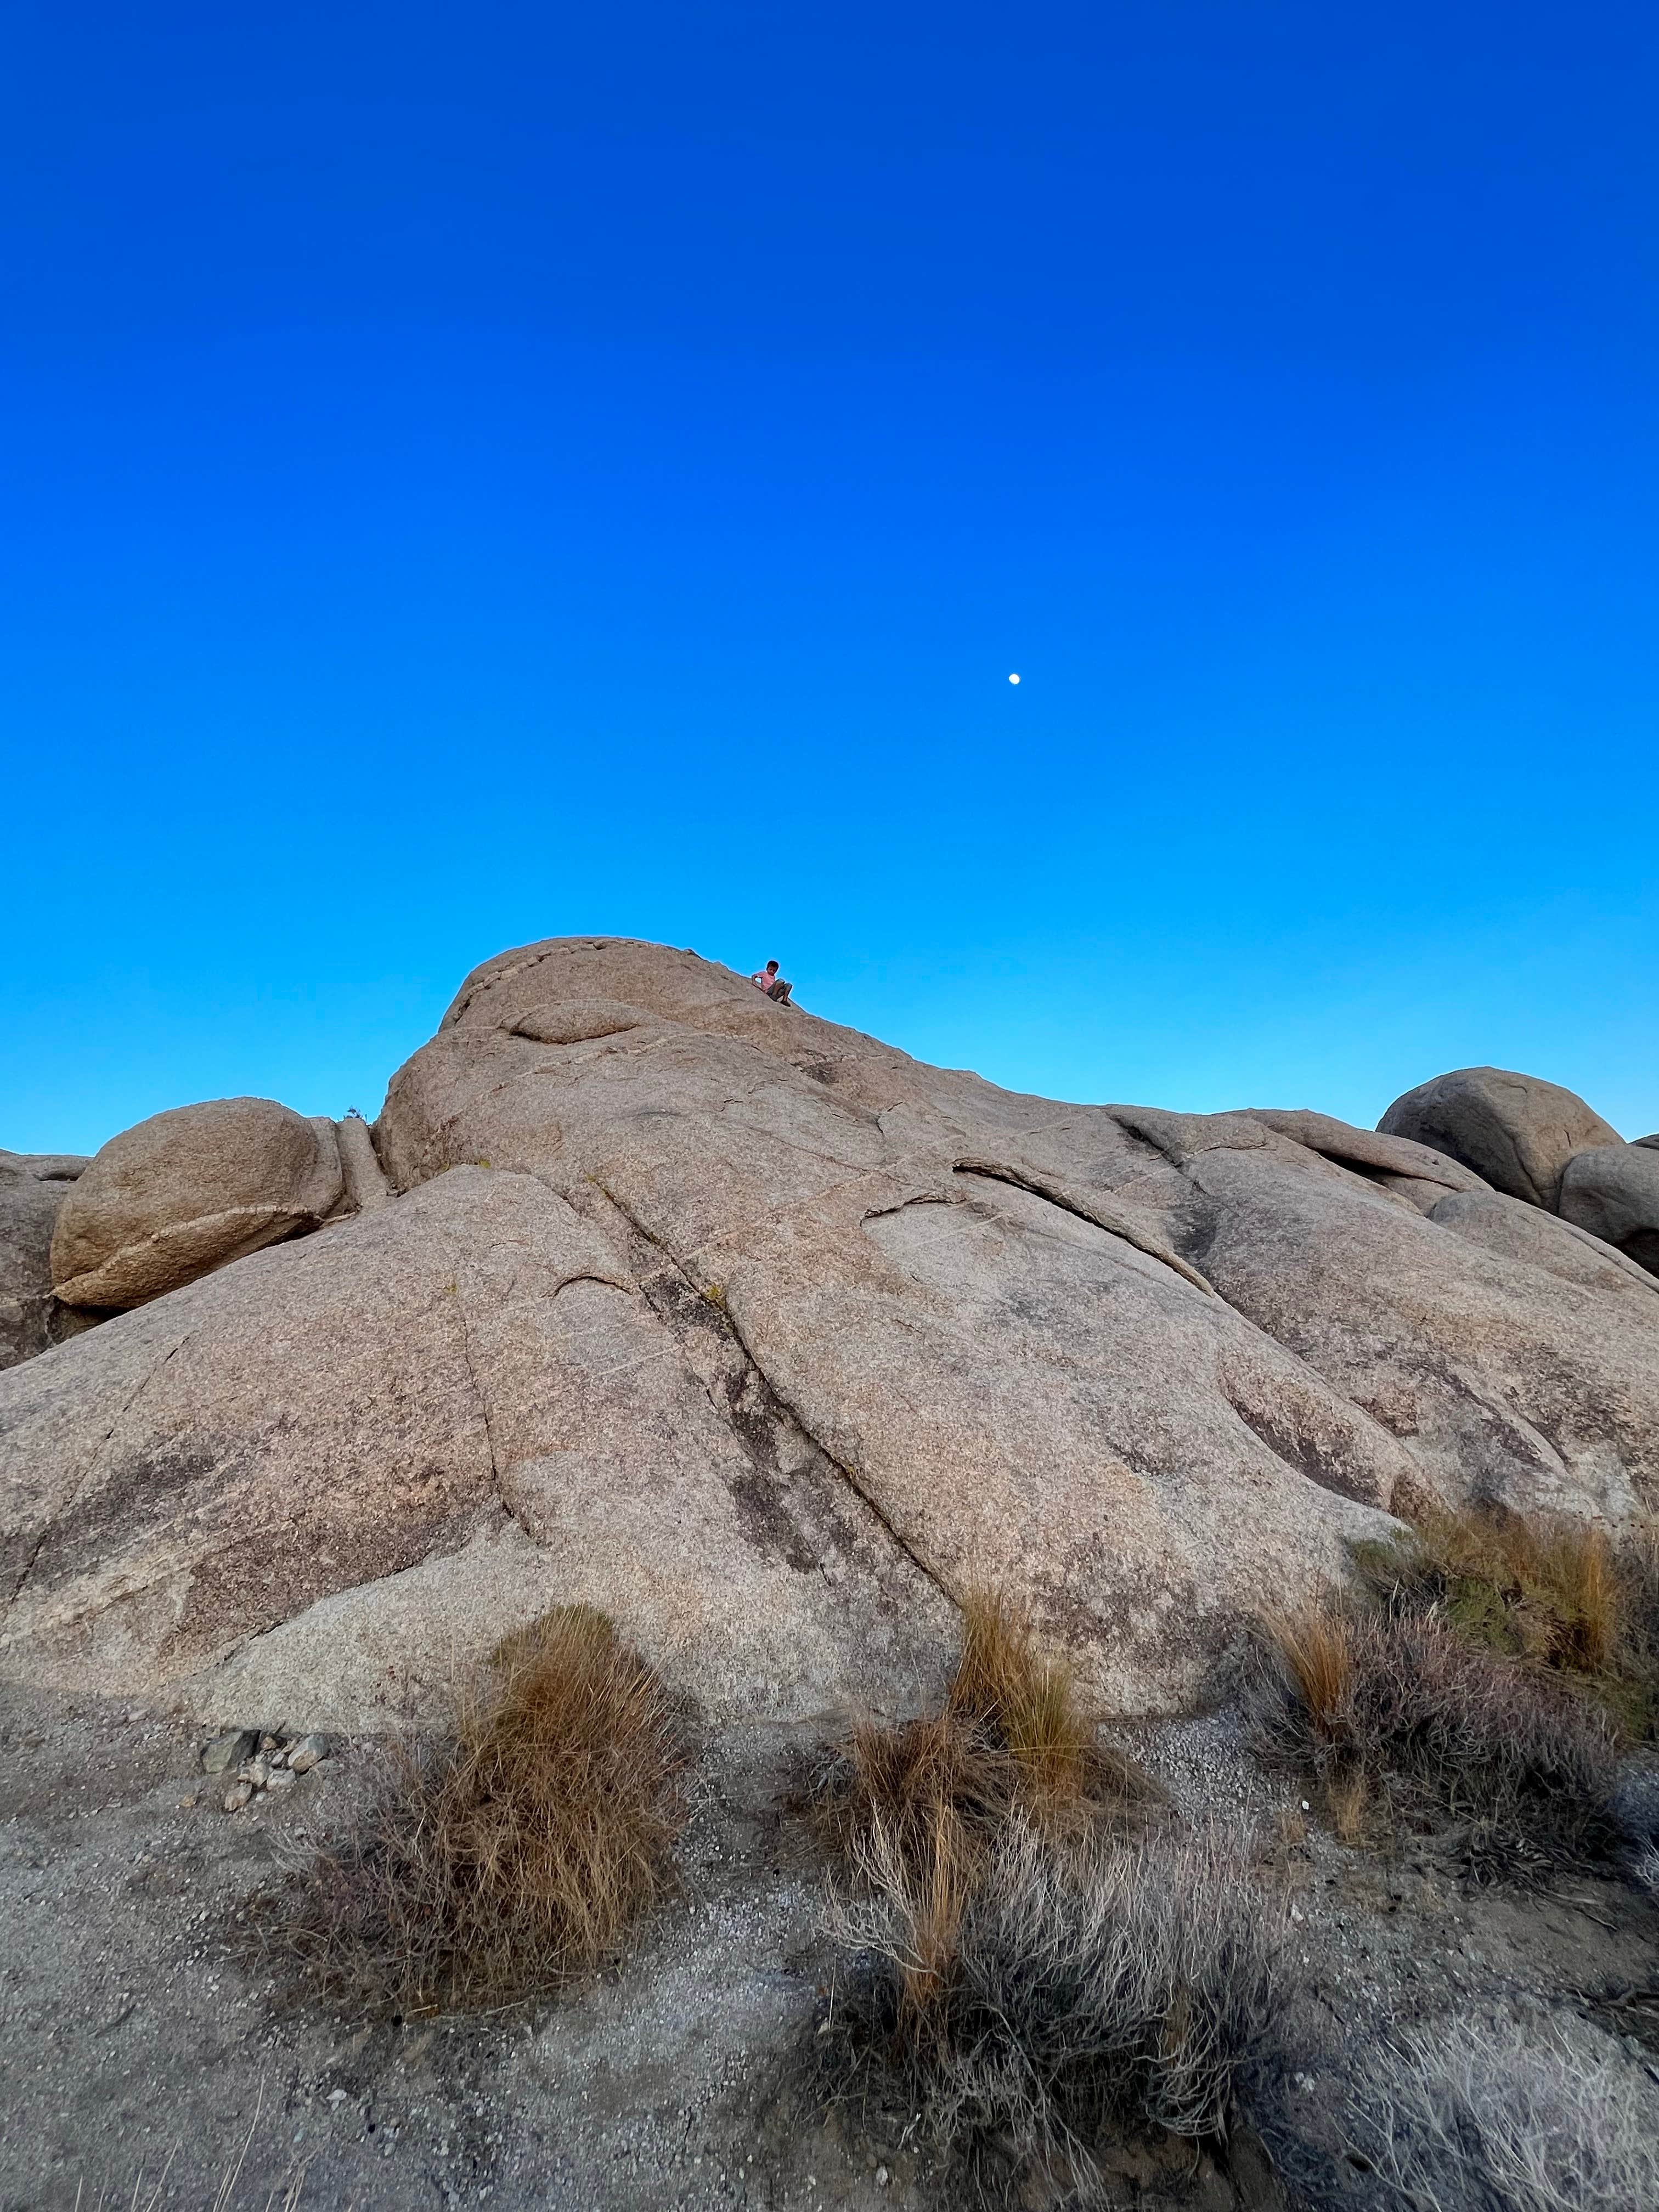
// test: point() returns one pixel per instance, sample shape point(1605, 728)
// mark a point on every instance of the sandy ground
point(144, 2065)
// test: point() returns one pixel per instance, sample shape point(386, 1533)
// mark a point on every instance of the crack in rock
point(481, 1395)
point(1096, 1212)
point(775, 1407)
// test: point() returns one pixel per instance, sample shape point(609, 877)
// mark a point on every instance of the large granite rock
point(1515, 1131)
point(189, 1191)
point(1613, 1192)
point(33, 1187)
point(315, 1483)
point(770, 1340)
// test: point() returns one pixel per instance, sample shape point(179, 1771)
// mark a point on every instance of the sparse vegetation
point(1393, 1712)
point(1561, 1595)
point(497, 1866)
point(1074, 1985)
point(1012, 1733)
point(1026, 1957)
point(1479, 2118)
point(1490, 1667)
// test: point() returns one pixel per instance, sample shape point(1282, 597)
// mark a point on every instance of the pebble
point(256, 1772)
point(308, 1753)
point(282, 1780)
point(238, 1795)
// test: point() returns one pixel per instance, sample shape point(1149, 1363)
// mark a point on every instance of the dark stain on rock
point(1317, 1463)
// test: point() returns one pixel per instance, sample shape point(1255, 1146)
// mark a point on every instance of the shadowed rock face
point(769, 1340)
point(33, 1188)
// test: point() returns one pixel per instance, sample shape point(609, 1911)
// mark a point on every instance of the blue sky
point(471, 475)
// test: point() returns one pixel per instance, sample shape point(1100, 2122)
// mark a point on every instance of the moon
point(1013, 679)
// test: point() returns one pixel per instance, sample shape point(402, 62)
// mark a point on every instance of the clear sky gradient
point(477, 474)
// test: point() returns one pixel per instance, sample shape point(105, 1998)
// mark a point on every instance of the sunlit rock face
point(771, 1341)
point(188, 1191)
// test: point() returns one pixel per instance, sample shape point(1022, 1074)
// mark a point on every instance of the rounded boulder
point(1515, 1131)
point(189, 1191)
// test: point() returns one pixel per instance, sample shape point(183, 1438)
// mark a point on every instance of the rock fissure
point(497, 1482)
point(722, 1400)
point(1146, 1131)
point(489, 984)
point(843, 1470)
point(1098, 1216)
point(903, 1205)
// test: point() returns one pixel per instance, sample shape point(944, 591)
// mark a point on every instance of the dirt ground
point(145, 2065)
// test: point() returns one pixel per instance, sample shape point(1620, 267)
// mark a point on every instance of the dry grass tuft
point(1022, 1957)
point(515, 1856)
point(1013, 1734)
point(1348, 1803)
point(1377, 1705)
point(932, 1796)
point(1094, 1987)
point(1027, 1700)
point(1557, 1594)
point(1316, 1652)
point(1494, 1665)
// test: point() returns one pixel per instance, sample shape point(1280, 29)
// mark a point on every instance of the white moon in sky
point(1013, 679)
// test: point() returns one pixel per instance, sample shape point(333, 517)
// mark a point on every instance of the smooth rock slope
point(771, 1340)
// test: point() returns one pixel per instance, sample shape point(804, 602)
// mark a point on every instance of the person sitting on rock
point(767, 979)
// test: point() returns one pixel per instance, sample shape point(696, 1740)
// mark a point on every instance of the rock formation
point(1613, 1193)
point(188, 1191)
point(770, 1339)
point(1543, 1144)
point(33, 1188)
point(1514, 1131)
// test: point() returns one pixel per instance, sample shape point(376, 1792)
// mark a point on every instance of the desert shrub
point(932, 1796)
point(1354, 1696)
point(1479, 2118)
point(1093, 1986)
point(497, 1865)
point(1012, 1733)
point(1024, 1955)
point(1554, 1593)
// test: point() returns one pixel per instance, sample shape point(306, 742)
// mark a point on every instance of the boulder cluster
point(1543, 1144)
point(646, 1292)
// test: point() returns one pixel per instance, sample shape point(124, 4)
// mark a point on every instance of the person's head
point(771, 967)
